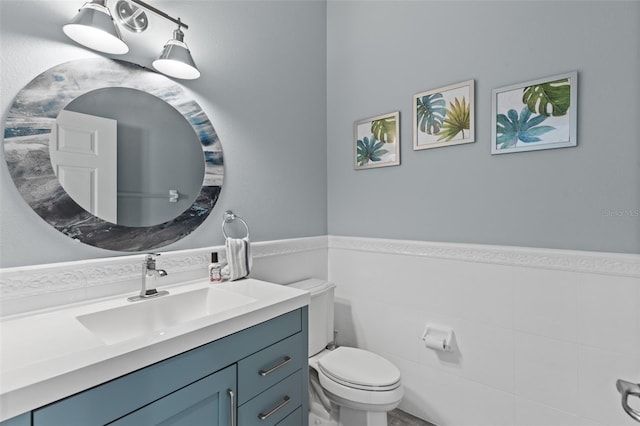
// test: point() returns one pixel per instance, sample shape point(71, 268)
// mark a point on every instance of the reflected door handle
point(626, 388)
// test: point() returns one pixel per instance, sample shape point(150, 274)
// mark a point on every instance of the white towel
point(238, 258)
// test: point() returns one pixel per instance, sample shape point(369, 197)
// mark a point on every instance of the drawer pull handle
point(285, 401)
point(285, 361)
point(232, 405)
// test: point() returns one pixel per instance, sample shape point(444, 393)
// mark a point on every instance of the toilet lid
point(359, 368)
point(312, 285)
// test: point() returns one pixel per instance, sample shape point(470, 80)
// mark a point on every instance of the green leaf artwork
point(384, 130)
point(552, 98)
point(457, 120)
point(431, 112)
point(511, 128)
point(369, 149)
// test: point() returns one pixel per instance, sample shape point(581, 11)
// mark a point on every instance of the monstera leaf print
point(384, 130)
point(511, 128)
point(457, 120)
point(369, 149)
point(550, 98)
point(431, 111)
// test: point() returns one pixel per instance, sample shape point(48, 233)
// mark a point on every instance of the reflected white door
point(83, 151)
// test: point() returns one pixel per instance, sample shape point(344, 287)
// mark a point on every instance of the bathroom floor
point(400, 418)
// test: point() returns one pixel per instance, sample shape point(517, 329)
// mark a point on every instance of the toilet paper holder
point(438, 338)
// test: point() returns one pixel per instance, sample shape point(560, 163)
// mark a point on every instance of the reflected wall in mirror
point(162, 169)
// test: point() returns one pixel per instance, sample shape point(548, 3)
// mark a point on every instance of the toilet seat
point(359, 369)
point(356, 387)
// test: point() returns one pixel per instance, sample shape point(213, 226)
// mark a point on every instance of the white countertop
point(48, 355)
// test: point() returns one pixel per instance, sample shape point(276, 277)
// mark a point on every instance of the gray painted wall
point(263, 87)
point(281, 78)
point(379, 54)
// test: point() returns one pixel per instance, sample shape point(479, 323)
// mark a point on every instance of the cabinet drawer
point(273, 405)
point(267, 367)
point(293, 419)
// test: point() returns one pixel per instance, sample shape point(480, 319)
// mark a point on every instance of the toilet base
point(319, 415)
point(351, 417)
point(344, 416)
point(316, 420)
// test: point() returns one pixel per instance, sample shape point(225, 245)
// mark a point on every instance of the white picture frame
point(518, 112)
point(444, 116)
point(377, 141)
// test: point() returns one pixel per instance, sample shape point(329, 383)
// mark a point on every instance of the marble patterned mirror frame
point(26, 146)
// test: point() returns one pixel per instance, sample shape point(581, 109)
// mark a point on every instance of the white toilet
point(348, 386)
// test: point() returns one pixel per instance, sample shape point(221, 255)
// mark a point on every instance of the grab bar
point(173, 196)
point(626, 388)
point(229, 217)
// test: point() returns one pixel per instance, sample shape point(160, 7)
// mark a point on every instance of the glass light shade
point(176, 61)
point(94, 28)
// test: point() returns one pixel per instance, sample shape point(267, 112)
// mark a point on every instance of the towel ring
point(229, 217)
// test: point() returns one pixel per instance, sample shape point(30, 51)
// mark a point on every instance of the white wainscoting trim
point(21, 283)
point(618, 264)
point(290, 246)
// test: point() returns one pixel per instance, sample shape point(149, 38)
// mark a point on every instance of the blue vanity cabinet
point(260, 372)
point(21, 420)
point(209, 401)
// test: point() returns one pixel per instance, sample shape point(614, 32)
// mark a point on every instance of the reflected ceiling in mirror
point(83, 86)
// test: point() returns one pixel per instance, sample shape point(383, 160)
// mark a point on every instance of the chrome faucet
point(149, 275)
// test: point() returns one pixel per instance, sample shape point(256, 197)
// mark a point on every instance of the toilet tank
point(320, 312)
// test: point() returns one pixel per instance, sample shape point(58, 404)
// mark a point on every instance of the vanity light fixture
point(175, 59)
point(95, 28)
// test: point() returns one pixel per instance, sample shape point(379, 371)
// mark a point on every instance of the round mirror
point(113, 155)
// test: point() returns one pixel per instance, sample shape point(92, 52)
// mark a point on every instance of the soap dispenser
point(215, 269)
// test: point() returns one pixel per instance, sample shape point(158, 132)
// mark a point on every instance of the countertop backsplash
point(28, 288)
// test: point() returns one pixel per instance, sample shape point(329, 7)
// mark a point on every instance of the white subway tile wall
point(540, 335)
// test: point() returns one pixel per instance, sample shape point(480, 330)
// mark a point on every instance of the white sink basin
point(153, 316)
